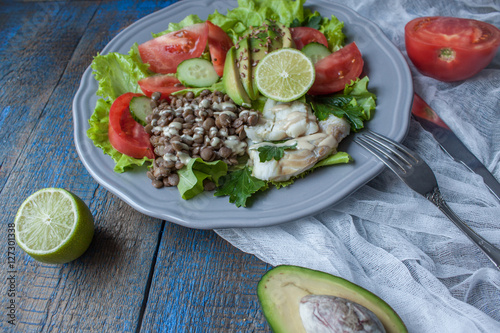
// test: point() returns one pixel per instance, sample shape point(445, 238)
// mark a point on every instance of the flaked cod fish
point(296, 123)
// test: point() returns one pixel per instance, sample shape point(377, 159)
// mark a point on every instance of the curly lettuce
point(192, 176)
point(355, 104)
point(253, 13)
point(116, 75)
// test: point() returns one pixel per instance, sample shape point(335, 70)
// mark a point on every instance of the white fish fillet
point(310, 149)
point(280, 121)
point(338, 127)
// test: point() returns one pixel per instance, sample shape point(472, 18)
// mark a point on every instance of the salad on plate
point(238, 103)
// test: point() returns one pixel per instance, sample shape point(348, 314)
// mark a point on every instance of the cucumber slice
point(197, 72)
point(316, 51)
point(140, 108)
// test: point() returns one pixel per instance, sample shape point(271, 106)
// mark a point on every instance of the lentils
point(210, 126)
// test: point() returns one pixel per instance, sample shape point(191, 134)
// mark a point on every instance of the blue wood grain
point(87, 294)
point(139, 273)
point(201, 284)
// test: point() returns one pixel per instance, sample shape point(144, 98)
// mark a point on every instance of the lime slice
point(284, 75)
point(54, 226)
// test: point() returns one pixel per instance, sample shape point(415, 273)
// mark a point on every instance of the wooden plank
point(203, 284)
point(104, 289)
point(32, 43)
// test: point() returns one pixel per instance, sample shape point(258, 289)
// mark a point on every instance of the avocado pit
point(330, 314)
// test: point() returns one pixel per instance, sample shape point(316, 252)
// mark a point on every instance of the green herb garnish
point(268, 153)
point(239, 186)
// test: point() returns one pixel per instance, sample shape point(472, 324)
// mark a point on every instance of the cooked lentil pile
point(210, 126)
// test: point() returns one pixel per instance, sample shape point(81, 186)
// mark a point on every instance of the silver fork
point(413, 170)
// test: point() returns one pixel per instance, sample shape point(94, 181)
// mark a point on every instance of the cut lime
point(54, 226)
point(284, 75)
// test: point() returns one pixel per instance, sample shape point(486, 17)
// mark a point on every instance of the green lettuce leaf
point(253, 13)
point(191, 177)
point(119, 73)
point(330, 27)
point(98, 133)
point(356, 104)
point(187, 21)
point(337, 158)
point(116, 75)
point(232, 26)
point(240, 185)
point(364, 98)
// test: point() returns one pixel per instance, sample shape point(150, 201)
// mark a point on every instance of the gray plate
point(390, 79)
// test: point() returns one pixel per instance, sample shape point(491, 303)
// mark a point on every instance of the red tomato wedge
point(336, 70)
point(449, 48)
point(125, 134)
point(305, 35)
point(164, 53)
point(421, 109)
point(218, 43)
point(165, 84)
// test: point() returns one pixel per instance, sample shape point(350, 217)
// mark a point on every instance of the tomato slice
point(164, 53)
point(165, 84)
point(218, 44)
point(449, 48)
point(125, 134)
point(305, 35)
point(336, 70)
point(421, 109)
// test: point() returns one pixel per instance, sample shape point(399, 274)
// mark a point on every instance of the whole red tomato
point(449, 48)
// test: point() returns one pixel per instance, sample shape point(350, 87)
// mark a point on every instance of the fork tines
point(397, 157)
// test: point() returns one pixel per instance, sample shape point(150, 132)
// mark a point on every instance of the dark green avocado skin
point(281, 277)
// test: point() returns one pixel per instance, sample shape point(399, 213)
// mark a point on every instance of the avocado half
point(281, 289)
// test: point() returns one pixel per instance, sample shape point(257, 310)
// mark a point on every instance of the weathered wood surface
point(140, 274)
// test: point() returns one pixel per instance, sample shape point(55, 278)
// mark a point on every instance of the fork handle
point(492, 252)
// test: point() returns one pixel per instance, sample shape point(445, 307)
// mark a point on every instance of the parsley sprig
point(273, 152)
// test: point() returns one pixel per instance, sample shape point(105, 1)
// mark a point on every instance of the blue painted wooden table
point(140, 274)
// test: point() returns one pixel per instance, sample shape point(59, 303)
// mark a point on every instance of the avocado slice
point(231, 80)
point(286, 35)
point(244, 66)
point(258, 47)
point(281, 289)
point(275, 39)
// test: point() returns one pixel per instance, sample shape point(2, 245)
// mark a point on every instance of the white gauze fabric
point(389, 239)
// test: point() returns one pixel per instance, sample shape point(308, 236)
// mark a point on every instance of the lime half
point(284, 75)
point(54, 226)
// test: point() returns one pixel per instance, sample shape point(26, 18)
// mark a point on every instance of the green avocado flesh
point(281, 289)
point(231, 80)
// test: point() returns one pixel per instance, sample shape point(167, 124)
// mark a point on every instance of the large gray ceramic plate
point(390, 79)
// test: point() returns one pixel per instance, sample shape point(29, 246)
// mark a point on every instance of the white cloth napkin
point(389, 239)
